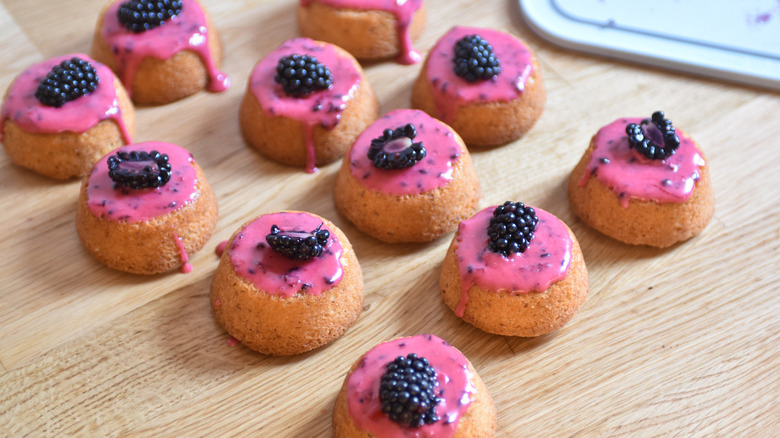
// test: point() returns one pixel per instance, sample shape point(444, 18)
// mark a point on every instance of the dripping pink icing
point(220, 248)
point(77, 116)
point(631, 175)
point(276, 274)
point(450, 91)
point(186, 31)
point(455, 387)
point(545, 261)
point(403, 10)
point(434, 171)
point(123, 204)
point(323, 107)
point(186, 268)
point(232, 342)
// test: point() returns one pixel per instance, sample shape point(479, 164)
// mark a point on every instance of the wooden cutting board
point(681, 341)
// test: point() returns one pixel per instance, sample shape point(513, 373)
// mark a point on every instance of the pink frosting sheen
point(323, 107)
point(450, 91)
point(77, 116)
point(434, 171)
point(455, 387)
point(186, 31)
point(124, 204)
point(545, 261)
point(276, 274)
point(630, 175)
point(403, 10)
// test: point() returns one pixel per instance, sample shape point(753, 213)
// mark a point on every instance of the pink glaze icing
point(434, 171)
point(403, 10)
point(276, 274)
point(186, 31)
point(220, 248)
point(545, 261)
point(455, 387)
point(77, 116)
point(323, 107)
point(124, 204)
point(631, 175)
point(450, 91)
point(186, 268)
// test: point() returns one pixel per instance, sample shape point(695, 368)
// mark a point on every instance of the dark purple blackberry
point(139, 169)
point(395, 148)
point(406, 391)
point(67, 81)
point(142, 15)
point(655, 137)
point(511, 228)
point(301, 75)
point(474, 59)
point(298, 245)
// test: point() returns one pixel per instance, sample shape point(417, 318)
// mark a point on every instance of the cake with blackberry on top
point(287, 282)
point(61, 115)
point(368, 29)
point(305, 104)
point(484, 83)
point(407, 178)
point(514, 270)
point(162, 51)
point(146, 208)
point(644, 182)
point(418, 386)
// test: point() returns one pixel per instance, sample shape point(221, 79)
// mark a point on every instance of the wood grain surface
point(683, 341)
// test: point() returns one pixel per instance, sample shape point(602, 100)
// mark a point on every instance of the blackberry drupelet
point(406, 391)
point(139, 169)
point(142, 15)
point(474, 59)
point(655, 137)
point(301, 75)
point(298, 245)
point(67, 81)
point(395, 148)
point(511, 228)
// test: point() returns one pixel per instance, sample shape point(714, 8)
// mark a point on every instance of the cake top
point(626, 169)
point(505, 62)
point(141, 181)
point(412, 160)
point(545, 259)
point(38, 103)
point(183, 27)
point(309, 262)
point(453, 389)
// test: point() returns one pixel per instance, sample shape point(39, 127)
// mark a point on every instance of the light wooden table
point(682, 341)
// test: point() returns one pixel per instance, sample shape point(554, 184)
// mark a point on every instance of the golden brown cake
point(371, 403)
point(514, 270)
point(61, 134)
point(368, 29)
point(491, 104)
point(287, 282)
point(164, 58)
point(297, 117)
point(619, 191)
point(145, 208)
point(407, 178)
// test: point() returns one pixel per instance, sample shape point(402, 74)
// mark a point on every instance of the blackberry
point(655, 137)
point(406, 391)
point(142, 15)
point(511, 228)
point(395, 148)
point(474, 59)
point(67, 81)
point(298, 245)
point(301, 75)
point(139, 169)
